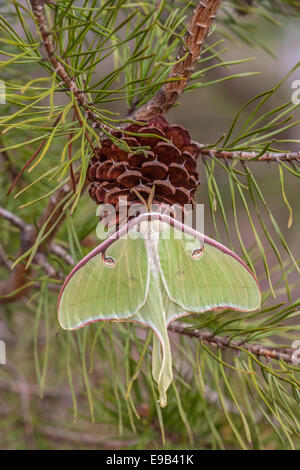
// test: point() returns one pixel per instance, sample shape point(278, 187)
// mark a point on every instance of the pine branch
point(197, 31)
point(59, 251)
point(223, 343)
point(33, 389)
point(19, 283)
point(93, 440)
point(4, 258)
point(13, 219)
point(41, 260)
point(58, 67)
point(250, 156)
point(23, 391)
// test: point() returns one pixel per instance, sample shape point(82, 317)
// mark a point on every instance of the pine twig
point(59, 251)
point(34, 390)
point(223, 343)
point(4, 258)
point(23, 391)
point(197, 31)
point(250, 156)
point(75, 437)
point(42, 261)
point(12, 218)
point(54, 248)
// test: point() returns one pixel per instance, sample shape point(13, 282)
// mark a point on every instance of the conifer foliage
point(86, 93)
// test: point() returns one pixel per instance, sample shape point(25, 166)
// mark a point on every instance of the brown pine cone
point(170, 166)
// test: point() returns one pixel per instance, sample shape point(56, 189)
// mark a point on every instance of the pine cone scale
point(169, 166)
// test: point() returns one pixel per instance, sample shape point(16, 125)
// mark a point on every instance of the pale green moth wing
point(109, 284)
point(154, 313)
point(214, 278)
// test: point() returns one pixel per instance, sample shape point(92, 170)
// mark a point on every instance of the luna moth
point(152, 271)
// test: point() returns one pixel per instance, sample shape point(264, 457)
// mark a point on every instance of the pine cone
point(170, 166)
